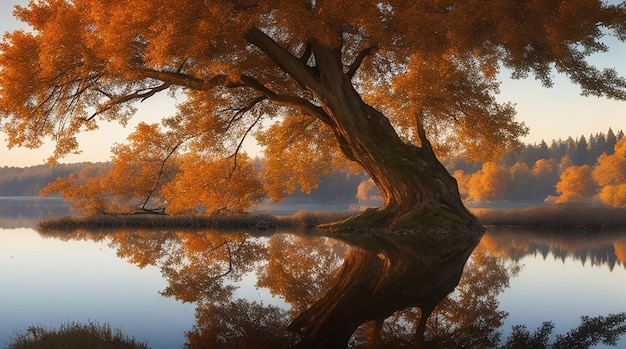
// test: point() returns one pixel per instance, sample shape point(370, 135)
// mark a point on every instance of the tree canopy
point(315, 80)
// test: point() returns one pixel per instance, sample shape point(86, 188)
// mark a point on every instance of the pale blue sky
point(553, 113)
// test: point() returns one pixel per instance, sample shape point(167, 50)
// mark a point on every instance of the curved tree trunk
point(419, 193)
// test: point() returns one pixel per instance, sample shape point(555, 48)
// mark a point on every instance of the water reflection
point(26, 212)
point(594, 247)
point(381, 275)
point(365, 292)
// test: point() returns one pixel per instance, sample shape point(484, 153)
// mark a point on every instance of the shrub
point(74, 335)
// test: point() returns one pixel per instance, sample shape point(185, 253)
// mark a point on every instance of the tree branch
point(245, 109)
point(141, 94)
point(289, 101)
point(161, 172)
point(358, 60)
point(243, 138)
point(293, 66)
point(185, 80)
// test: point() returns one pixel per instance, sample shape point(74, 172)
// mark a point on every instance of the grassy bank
point(260, 222)
point(556, 217)
point(551, 216)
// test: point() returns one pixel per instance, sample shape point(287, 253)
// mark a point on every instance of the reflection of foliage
point(299, 268)
point(204, 261)
point(598, 249)
point(240, 324)
point(521, 338)
point(468, 317)
point(591, 331)
point(386, 290)
point(144, 248)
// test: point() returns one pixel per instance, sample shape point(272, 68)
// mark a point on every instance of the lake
point(274, 289)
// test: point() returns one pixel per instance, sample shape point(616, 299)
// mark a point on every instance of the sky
point(555, 113)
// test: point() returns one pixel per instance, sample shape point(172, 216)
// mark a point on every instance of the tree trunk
point(418, 192)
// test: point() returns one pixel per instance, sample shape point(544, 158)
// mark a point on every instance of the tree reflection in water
point(361, 292)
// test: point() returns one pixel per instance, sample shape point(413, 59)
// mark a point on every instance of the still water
point(237, 289)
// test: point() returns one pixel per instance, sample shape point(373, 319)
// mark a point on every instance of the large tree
point(385, 84)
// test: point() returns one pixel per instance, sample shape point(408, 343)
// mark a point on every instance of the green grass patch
point(440, 219)
point(74, 335)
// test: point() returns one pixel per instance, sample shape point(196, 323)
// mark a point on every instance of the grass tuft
point(74, 335)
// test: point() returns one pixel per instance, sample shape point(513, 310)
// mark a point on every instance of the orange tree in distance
point(384, 84)
point(610, 173)
point(575, 185)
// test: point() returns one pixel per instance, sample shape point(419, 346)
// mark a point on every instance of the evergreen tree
point(579, 157)
point(611, 139)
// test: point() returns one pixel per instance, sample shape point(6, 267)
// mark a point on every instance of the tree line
point(575, 169)
point(28, 181)
point(584, 169)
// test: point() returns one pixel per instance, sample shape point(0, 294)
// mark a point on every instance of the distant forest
point(528, 174)
point(560, 172)
point(28, 181)
point(580, 151)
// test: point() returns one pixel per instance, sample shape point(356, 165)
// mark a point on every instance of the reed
point(578, 217)
point(74, 335)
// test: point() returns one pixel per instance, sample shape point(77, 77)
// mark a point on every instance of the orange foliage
point(489, 183)
point(610, 173)
point(367, 191)
point(575, 185)
point(620, 250)
point(149, 173)
point(214, 185)
point(88, 192)
point(241, 65)
point(543, 167)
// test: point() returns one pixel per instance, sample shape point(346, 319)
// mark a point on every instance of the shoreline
point(556, 217)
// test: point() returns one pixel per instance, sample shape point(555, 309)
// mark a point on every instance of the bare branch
point(243, 138)
point(245, 109)
point(142, 95)
point(162, 172)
